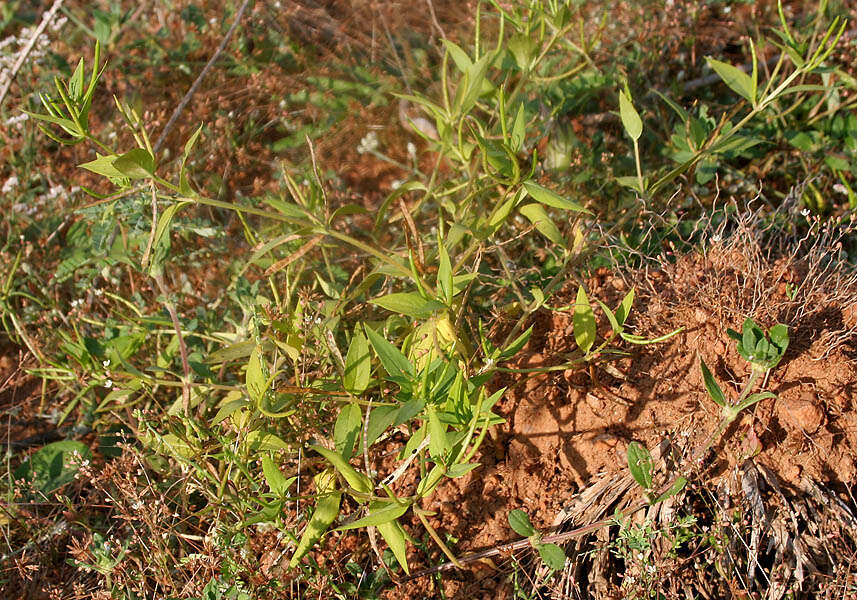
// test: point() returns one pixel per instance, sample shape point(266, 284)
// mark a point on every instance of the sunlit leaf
point(630, 117)
point(520, 523)
point(547, 197)
point(640, 464)
point(347, 428)
point(583, 321)
point(358, 481)
point(325, 513)
point(254, 377)
point(394, 362)
point(737, 80)
point(358, 366)
point(711, 384)
point(543, 223)
point(410, 304)
point(552, 555)
point(379, 513)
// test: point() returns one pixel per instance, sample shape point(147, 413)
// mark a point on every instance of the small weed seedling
point(641, 465)
point(763, 353)
point(551, 554)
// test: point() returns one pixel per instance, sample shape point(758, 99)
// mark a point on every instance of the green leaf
point(675, 488)
point(611, 318)
point(711, 385)
point(474, 77)
point(54, 465)
point(513, 348)
point(410, 304)
point(520, 523)
point(135, 164)
point(552, 555)
point(624, 308)
point(459, 469)
point(682, 114)
point(67, 125)
point(275, 479)
point(547, 197)
point(630, 181)
point(380, 419)
point(184, 186)
point(438, 442)
point(394, 535)
point(779, 335)
point(155, 266)
point(752, 399)
point(262, 441)
point(75, 82)
point(583, 321)
point(102, 165)
point(837, 163)
point(459, 56)
point(254, 376)
point(518, 133)
point(641, 465)
point(358, 365)
point(444, 274)
point(392, 359)
point(358, 481)
point(326, 511)
point(737, 80)
point(346, 430)
point(228, 409)
point(237, 350)
point(543, 223)
point(751, 335)
point(630, 117)
point(379, 513)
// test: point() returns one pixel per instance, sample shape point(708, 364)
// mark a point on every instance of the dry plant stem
point(25, 52)
point(180, 108)
point(435, 21)
point(186, 379)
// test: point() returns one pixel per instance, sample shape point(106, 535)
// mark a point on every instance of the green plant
point(430, 378)
point(551, 554)
point(763, 353)
point(370, 331)
point(53, 466)
point(641, 465)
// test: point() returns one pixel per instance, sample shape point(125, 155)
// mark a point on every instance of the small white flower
point(840, 189)
point(105, 363)
point(716, 238)
point(412, 150)
point(108, 384)
point(396, 184)
point(10, 184)
point(805, 212)
point(369, 143)
point(16, 120)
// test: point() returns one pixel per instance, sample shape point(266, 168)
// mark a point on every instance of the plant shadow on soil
point(567, 431)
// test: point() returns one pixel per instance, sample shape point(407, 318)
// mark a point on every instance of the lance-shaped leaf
point(630, 117)
point(737, 80)
point(326, 511)
point(583, 321)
